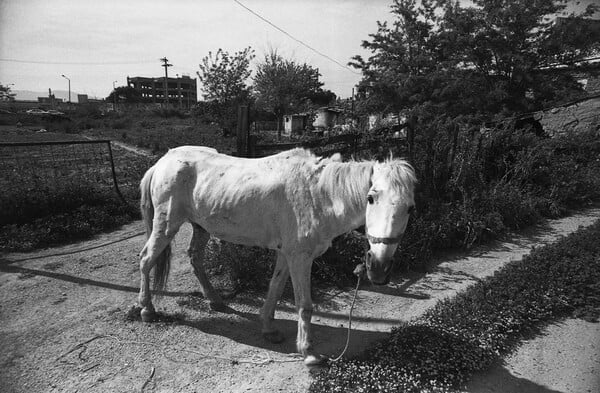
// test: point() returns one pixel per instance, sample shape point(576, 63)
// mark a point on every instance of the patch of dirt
point(566, 358)
point(67, 321)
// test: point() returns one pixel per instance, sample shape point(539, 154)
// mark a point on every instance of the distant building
point(182, 91)
point(294, 124)
point(326, 117)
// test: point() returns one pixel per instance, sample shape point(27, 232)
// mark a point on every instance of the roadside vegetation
point(441, 351)
point(44, 209)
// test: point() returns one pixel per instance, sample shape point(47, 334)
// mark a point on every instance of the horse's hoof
point(217, 306)
point(274, 337)
point(313, 360)
point(147, 314)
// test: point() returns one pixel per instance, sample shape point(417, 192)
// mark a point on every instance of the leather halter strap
point(384, 240)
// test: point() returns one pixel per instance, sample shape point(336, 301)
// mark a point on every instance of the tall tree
point(450, 67)
point(6, 94)
point(283, 86)
point(493, 55)
point(223, 76)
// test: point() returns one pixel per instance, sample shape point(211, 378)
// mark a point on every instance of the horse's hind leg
point(155, 248)
point(276, 287)
point(156, 251)
point(196, 252)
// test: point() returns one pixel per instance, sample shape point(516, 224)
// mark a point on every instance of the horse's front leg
point(300, 268)
point(276, 287)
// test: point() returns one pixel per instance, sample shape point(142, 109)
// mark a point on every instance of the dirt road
point(64, 324)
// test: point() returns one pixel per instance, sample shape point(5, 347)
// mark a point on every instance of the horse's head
point(390, 202)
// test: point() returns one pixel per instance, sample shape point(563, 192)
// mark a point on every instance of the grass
point(440, 351)
point(44, 209)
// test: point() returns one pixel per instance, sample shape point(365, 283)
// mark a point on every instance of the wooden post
point(243, 131)
point(252, 141)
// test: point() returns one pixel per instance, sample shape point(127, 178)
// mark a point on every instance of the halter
point(384, 240)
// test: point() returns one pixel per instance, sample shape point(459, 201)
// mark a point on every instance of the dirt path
point(53, 300)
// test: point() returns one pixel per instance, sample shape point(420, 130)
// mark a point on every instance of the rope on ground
point(359, 273)
point(256, 359)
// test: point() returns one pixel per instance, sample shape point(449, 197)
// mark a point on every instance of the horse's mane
point(401, 174)
point(346, 181)
point(350, 181)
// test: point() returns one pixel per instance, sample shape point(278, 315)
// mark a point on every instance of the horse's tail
point(163, 260)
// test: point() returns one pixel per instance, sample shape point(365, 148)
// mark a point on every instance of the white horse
point(292, 202)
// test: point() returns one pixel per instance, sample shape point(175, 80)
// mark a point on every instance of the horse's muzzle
point(377, 271)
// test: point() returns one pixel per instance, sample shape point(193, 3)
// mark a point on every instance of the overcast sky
point(96, 42)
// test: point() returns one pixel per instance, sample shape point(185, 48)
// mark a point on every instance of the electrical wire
point(76, 62)
point(296, 39)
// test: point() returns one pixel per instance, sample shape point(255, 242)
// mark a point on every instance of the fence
point(26, 166)
point(350, 143)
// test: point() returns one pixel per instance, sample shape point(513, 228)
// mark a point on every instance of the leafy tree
point(439, 59)
point(5, 93)
point(125, 94)
point(283, 86)
point(223, 83)
point(493, 56)
point(449, 68)
point(223, 76)
point(514, 45)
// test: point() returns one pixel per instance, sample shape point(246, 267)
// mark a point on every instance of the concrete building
point(182, 91)
point(326, 117)
point(294, 124)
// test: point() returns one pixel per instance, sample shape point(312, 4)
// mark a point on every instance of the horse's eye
point(370, 199)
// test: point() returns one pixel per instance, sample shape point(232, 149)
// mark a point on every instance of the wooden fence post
point(243, 131)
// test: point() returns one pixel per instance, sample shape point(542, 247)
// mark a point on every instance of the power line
point(76, 62)
point(296, 39)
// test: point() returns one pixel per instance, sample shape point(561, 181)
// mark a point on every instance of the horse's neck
point(345, 187)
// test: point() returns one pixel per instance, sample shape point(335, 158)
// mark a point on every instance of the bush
point(73, 219)
point(466, 334)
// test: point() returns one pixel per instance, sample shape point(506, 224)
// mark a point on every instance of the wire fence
point(34, 166)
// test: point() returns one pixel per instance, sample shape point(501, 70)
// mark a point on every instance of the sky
point(97, 42)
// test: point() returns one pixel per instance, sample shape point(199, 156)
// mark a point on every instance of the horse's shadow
point(245, 328)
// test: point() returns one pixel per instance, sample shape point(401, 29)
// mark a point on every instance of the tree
point(496, 55)
point(283, 86)
point(223, 76)
point(223, 83)
point(449, 68)
point(514, 46)
point(125, 94)
point(6, 94)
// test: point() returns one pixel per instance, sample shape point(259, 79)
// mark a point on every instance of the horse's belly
point(254, 234)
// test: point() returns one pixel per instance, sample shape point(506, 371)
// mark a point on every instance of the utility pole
point(69, 86)
point(166, 65)
point(115, 96)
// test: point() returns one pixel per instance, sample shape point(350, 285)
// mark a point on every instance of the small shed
point(326, 117)
point(294, 124)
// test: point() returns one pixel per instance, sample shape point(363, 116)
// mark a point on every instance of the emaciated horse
point(293, 202)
